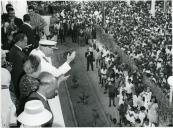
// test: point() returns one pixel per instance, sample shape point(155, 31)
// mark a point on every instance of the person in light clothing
point(146, 94)
point(44, 52)
point(8, 108)
point(129, 88)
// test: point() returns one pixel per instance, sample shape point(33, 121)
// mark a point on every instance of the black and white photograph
point(86, 63)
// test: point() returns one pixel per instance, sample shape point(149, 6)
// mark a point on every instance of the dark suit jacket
point(89, 56)
point(36, 96)
point(26, 29)
point(17, 57)
point(4, 40)
point(18, 22)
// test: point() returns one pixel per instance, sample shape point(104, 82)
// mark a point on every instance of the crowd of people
point(137, 104)
point(146, 39)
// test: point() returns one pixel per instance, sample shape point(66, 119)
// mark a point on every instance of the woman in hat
point(34, 115)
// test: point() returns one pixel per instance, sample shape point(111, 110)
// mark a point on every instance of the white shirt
point(135, 101)
point(103, 71)
point(105, 52)
point(46, 65)
point(128, 87)
point(142, 115)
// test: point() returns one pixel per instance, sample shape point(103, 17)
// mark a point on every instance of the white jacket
point(46, 64)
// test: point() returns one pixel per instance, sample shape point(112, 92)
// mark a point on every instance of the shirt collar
point(41, 53)
point(18, 47)
point(42, 96)
point(28, 24)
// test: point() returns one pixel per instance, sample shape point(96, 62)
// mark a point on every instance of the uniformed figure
point(44, 52)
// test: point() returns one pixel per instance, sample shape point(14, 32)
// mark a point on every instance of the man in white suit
point(44, 52)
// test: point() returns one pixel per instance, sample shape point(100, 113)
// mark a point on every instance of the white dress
point(8, 108)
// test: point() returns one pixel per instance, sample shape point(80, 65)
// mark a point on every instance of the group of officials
point(33, 77)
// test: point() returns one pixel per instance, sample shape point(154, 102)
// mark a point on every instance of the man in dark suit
point(26, 28)
point(90, 58)
point(15, 22)
point(62, 33)
point(74, 32)
point(17, 57)
point(48, 89)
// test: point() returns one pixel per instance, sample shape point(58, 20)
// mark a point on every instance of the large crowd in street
point(145, 38)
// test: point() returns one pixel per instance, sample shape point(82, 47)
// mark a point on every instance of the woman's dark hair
point(20, 37)
point(35, 61)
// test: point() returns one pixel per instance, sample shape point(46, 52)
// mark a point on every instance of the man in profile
point(48, 89)
point(17, 57)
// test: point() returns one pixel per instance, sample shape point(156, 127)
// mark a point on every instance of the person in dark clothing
point(17, 57)
point(122, 111)
point(26, 28)
point(5, 33)
point(65, 28)
point(74, 32)
point(15, 22)
point(112, 93)
point(90, 58)
point(62, 33)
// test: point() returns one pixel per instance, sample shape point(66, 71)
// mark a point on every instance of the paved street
point(89, 82)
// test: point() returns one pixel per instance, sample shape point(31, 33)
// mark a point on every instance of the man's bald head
point(48, 85)
point(46, 77)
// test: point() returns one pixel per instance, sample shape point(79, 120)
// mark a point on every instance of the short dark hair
point(20, 37)
point(35, 61)
point(26, 18)
point(8, 6)
point(30, 7)
point(138, 121)
point(10, 9)
point(142, 108)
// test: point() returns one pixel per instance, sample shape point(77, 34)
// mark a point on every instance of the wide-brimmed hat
point(34, 114)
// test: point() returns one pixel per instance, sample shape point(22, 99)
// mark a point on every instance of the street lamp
point(170, 82)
